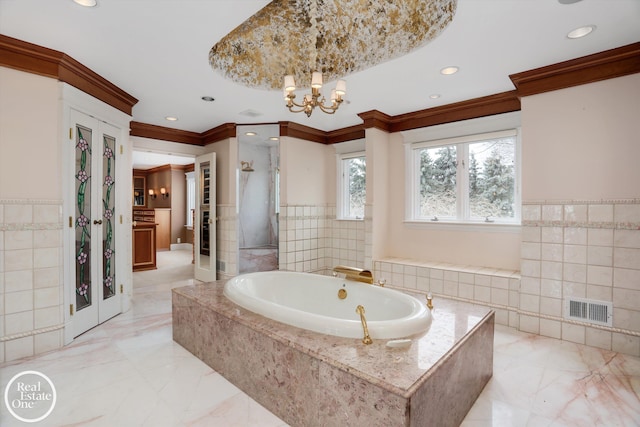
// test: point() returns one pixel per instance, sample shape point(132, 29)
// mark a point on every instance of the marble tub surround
point(309, 379)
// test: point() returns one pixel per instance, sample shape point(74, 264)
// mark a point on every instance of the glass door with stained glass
point(96, 297)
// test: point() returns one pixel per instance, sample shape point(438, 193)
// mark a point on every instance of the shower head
point(246, 166)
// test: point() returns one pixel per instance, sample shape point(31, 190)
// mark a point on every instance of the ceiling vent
point(588, 310)
point(250, 113)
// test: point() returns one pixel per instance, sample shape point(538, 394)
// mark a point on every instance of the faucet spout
point(367, 339)
point(357, 274)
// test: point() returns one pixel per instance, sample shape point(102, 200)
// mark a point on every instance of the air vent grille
point(591, 311)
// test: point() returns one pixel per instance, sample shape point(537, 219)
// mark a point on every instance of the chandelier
point(315, 98)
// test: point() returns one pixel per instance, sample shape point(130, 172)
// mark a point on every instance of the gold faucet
point(367, 339)
point(357, 274)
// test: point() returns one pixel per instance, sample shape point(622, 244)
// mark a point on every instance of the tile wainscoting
point(585, 249)
point(31, 317)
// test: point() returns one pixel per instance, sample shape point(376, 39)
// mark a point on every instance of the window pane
point(356, 186)
point(437, 186)
point(492, 178)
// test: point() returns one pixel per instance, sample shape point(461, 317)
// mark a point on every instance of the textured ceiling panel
point(337, 37)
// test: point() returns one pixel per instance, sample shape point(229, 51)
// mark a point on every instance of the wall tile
point(47, 341)
point(47, 214)
point(551, 328)
point(627, 238)
point(574, 273)
point(599, 338)
point(576, 254)
point(597, 275)
point(47, 297)
point(21, 239)
point(626, 298)
point(530, 285)
point(600, 237)
point(627, 213)
point(600, 213)
point(18, 348)
point(551, 251)
point(600, 255)
point(573, 333)
point(575, 213)
point(15, 302)
point(552, 235)
point(21, 280)
point(18, 323)
point(529, 324)
point(551, 288)
point(552, 212)
point(626, 344)
point(531, 212)
point(626, 278)
point(576, 236)
point(551, 270)
point(531, 250)
point(602, 293)
point(530, 303)
point(622, 257)
point(18, 214)
point(551, 306)
point(46, 317)
point(21, 259)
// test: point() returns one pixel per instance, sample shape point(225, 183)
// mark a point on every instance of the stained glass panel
point(108, 206)
point(83, 217)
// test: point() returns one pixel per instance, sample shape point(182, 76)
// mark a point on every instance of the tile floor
point(129, 372)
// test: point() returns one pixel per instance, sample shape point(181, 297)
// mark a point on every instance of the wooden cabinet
point(144, 246)
point(163, 230)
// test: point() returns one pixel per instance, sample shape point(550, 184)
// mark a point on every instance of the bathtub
point(310, 301)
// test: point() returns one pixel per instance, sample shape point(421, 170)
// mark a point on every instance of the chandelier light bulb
point(316, 80)
point(289, 83)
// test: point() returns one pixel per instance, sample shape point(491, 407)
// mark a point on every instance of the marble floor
point(129, 372)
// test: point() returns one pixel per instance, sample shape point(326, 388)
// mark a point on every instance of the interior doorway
point(258, 197)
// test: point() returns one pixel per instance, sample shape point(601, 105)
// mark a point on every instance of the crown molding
point(618, 62)
point(24, 56)
point(145, 130)
point(350, 133)
point(500, 103)
point(605, 65)
point(295, 130)
point(218, 133)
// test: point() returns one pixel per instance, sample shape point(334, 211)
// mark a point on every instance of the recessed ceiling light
point(274, 138)
point(449, 70)
point(568, 1)
point(434, 96)
point(250, 133)
point(208, 98)
point(581, 32)
point(86, 3)
point(171, 119)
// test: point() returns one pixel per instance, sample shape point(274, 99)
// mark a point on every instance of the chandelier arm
point(329, 110)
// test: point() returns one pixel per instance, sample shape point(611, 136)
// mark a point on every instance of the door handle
point(97, 221)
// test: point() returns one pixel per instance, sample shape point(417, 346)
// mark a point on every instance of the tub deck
point(312, 379)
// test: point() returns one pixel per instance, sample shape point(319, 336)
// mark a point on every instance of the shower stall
point(258, 185)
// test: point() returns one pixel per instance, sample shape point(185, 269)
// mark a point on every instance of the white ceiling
point(157, 51)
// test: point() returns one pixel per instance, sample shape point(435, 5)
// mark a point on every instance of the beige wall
point(582, 143)
point(307, 172)
point(29, 133)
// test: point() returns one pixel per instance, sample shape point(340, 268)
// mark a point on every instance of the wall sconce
point(163, 193)
point(152, 194)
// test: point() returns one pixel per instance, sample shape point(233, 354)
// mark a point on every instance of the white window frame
point(342, 192)
point(412, 161)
